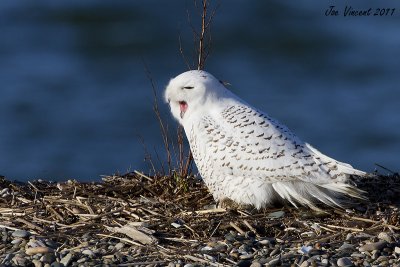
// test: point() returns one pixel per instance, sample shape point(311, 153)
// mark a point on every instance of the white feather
point(248, 157)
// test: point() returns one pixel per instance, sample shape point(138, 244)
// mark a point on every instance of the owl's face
point(188, 92)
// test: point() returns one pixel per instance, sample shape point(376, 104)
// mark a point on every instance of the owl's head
point(190, 91)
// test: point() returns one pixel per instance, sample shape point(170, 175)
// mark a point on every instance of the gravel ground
point(136, 220)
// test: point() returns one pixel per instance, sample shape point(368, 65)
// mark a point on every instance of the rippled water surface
point(75, 100)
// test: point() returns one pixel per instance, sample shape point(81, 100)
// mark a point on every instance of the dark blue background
point(74, 96)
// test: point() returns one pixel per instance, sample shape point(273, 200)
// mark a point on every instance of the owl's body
point(246, 156)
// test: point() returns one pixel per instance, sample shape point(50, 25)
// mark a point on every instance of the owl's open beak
point(183, 106)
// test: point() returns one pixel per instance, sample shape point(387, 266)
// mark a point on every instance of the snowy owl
point(247, 157)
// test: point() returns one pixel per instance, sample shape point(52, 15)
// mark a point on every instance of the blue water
point(75, 100)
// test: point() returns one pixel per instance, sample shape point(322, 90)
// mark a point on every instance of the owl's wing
point(246, 142)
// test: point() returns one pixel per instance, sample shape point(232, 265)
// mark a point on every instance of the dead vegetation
point(168, 220)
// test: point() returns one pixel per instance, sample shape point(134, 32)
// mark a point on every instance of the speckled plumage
point(248, 157)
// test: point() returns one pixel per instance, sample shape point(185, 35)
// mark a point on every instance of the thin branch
point(200, 63)
point(182, 53)
point(164, 131)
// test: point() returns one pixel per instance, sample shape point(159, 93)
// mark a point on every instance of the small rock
point(36, 243)
point(349, 236)
point(374, 254)
point(366, 264)
point(373, 246)
point(230, 237)
point(82, 260)
point(382, 258)
point(119, 246)
point(56, 264)
point(358, 255)
point(19, 260)
point(274, 262)
point(244, 263)
point(276, 214)
point(385, 236)
point(88, 252)
point(37, 263)
point(264, 242)
point(324, 262)
point(48, 258)
point(209, 257)
point(246, 256)
point(4, 191)
point(16, 241)
point(397, 250)
point(346, 247)
point(255, 264)
point(8, 257)
point(206, 248)
point(274, 252)
point(38, 250)
point(344, 262)
point(66, 260)
point(51, 243)
point(220, 248)
point(176, 225)
point(305, 249)
point(20, 233)
point(305, 264)
point(262, 260)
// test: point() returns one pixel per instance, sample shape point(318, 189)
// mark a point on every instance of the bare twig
point(163, 128)
point(183, 53)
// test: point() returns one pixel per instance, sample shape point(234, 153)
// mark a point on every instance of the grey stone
point(51, 243)
point(246, 256)
point(37, 263)
point(346, 247)
point(82, 260)
point(66, 260)
point(48, 258)
point(19, 260)
point(16, 241)
point(349, 236)
point(385, 237)
point(358, 255)
point(374, 254)
point(274, 252)
point(119, 246)
point(88, 252)
point(276, 214)
point(344, 262)
point(20, 233)
point(264, 242)
point(373, 246)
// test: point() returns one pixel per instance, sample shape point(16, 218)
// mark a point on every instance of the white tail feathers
point(307, 194)
point(342, 167)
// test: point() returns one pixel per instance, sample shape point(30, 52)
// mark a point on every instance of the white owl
point(247, 157)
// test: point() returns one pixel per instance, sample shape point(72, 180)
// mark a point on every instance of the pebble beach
point(137, 220)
